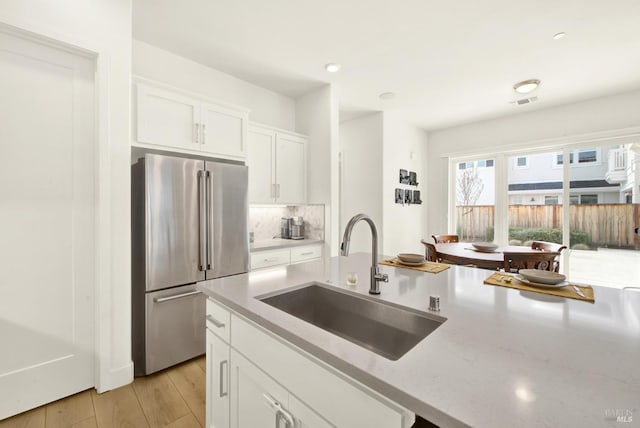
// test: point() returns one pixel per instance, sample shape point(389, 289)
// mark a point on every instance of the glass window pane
point(588, 199)
point(585, 156)
point(574, 199)
point(535, 199)
point(551, 200)
point(489, 162)
point(475, 202)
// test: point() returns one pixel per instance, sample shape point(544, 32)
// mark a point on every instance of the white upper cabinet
point(261, 161)
point(169, 119)
point(277, 166)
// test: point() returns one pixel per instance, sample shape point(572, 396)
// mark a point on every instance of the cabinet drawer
point(263, 259)
point(218, 320)
point(307, 252)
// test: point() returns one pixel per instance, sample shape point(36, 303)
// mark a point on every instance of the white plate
point(542, 276)
point(477, 250)
point(409, 263)
point(524, 280)
point(484, 247)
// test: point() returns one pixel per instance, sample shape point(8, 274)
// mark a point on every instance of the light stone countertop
point(503, 357)
point(276, 243)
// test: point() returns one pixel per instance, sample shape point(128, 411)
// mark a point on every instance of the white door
point(254, 395)
point(217, 382)
point(166, 118)
point(290, 169)
point(260, 159)
point(223, 131)
point(47, 199)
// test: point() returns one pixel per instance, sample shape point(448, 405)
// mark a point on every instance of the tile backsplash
point(264, 222)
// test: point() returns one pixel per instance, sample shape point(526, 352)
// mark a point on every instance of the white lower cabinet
point(272, 383)
point(217, 381)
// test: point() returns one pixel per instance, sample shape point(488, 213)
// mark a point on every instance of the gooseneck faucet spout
point(376, 276)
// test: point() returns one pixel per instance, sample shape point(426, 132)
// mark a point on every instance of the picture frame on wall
point(404, 176)
point(413, 178)
point(416, 197)
point(399, 196)
point(408, 196)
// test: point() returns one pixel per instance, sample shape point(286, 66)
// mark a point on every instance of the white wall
point(266, 106)
point(405, 147)
point(361, 143)
point(102, 27)
point(563, 124)
point(317, 117)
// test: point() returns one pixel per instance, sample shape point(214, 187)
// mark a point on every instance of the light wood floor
point(173, 398)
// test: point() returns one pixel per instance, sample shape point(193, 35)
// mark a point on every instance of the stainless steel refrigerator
point(189, 223)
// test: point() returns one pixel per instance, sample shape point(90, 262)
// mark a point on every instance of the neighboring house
point(603, 175)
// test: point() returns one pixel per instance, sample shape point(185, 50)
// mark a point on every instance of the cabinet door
point(254, 396)
point(290, 169)
point(166, 118)
point(261, 158)
point(217, 382)
point(223, 131)
point(304, 416)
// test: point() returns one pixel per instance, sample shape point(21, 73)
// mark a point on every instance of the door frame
point(105, 376)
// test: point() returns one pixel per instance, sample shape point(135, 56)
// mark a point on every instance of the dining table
point(463, 253)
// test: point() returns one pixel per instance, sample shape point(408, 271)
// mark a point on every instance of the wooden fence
point(605, 224)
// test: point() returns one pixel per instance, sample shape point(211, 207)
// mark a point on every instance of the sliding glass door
point(604, 210)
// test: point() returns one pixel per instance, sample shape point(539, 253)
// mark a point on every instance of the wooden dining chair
point(549, 246)
point(430, 252)
point(445, 239)
point(544, 260)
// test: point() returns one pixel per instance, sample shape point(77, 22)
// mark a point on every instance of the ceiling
point(447, 62)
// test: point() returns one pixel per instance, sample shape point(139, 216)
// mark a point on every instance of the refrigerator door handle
point(177, 296)
point(201, 222)
point(209, 221)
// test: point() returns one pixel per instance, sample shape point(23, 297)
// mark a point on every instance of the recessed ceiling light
point(387, 96)
point(332, 67)
point(559, 35)
point(526, 86)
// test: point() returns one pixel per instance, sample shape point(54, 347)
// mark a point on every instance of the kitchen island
point(503, 357)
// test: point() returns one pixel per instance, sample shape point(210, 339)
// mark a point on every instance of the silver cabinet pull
point(177, 296)
point(204, 133)
point(308, 253)
point(196, 127)
point(222, 372)
point(281, 414)
point(201, 220)
point(214, 321)
point(209, 199)
point(272, 259)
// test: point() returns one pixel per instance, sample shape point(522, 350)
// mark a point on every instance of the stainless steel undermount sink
point(387, 330)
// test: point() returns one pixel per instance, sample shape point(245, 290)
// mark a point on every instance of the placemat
point(430, 267)
point(504, 280)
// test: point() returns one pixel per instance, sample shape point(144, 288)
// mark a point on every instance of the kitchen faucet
point(376, 276)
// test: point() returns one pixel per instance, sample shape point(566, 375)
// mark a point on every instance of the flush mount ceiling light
point(559, 35)
point(332, 67)
point(387, 96)
point(526, 86)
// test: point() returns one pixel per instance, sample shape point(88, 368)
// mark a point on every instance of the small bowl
point(486, 247)
point(542, 276)
point(411, 258)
